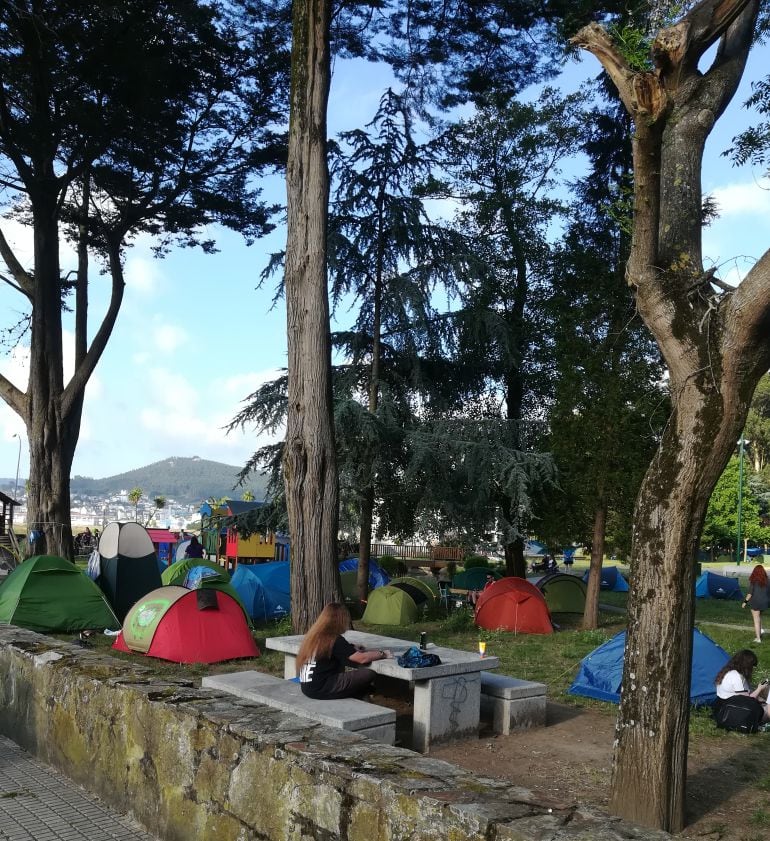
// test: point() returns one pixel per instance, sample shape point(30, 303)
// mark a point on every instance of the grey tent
point(129, 566)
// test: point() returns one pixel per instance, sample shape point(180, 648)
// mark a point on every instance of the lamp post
point(741, 444)
point(18, 462)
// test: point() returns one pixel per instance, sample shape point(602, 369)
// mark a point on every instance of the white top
point(732, 684)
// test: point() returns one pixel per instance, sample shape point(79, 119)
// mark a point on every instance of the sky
point(195, 336)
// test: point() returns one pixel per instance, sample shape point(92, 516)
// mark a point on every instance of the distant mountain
point(186, 480)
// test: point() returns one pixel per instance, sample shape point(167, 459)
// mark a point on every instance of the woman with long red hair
point(325, 653)
point(757, 597)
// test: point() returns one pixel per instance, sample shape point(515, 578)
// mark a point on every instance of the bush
point(392, 565)
point(476, 561)
point(459, 620)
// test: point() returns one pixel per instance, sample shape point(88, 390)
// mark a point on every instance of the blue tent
point(377, 575)
point(601, 671)
point(534, 547)
point(712, 586)
point(755, 552)
point(263, 589)
point(611, 580)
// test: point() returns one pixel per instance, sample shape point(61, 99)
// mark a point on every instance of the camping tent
point(377, 575)
point(394, 604)
point(474, 578)
point(177, 572)
point(563, 593)
point(49, 594)
point(611, 580)
point(129, 568)
point(187, 626)
point(712, 586)
point(181, 548)
point(513, 604)
point(263, 589)
point(601, 671)
point(426, 583)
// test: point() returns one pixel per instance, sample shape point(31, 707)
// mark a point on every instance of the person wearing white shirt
point(734, 678)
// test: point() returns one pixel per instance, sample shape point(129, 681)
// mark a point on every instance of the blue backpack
point(414, 658)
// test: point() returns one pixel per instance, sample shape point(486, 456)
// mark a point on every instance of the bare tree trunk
point(714, 341)
point(515, 563)
point(591, 612)
point(309, 460)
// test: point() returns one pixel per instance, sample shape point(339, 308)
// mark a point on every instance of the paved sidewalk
point(39, 804)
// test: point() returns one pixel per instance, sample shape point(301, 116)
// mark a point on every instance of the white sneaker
point(757, 639)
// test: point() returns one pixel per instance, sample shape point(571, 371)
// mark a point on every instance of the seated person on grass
point(734, 679)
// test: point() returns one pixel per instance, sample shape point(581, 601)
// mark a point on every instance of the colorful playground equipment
point(223, 540)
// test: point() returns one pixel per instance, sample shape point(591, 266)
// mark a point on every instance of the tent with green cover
point(49, 594)
point(474, 578)
point(422, 582)
point(394, 604)
point(563, 593)
point(177, 572)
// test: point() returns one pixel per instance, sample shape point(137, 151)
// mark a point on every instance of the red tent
point(187, 626)
point(513, 604)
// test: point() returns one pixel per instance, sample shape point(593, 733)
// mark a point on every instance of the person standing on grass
point(757, 598)
point(325, 653)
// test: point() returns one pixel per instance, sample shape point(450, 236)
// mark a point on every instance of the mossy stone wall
point(194, 764)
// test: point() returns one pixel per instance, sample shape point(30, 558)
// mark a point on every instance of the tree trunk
point(591, 612)
point(309, 460)
point(714, 342)
point(515, 562)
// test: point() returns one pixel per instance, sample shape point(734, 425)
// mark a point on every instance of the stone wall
point(193, 764)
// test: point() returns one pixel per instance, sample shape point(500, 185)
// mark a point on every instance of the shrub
point(476, 561)
point(459, 620)
point(392, 565)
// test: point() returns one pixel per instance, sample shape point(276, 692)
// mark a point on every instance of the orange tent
point(513, 604)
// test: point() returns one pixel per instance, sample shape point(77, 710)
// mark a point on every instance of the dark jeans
point(352, 684)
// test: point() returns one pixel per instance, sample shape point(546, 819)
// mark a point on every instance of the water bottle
point(423, 641)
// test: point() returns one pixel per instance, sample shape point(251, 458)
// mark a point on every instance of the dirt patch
point(569, 760)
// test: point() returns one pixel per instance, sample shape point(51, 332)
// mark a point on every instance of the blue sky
point(195, 336)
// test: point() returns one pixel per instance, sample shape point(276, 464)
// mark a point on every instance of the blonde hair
point(333, 621)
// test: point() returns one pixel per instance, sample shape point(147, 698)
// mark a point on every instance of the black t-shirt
point(314, 674)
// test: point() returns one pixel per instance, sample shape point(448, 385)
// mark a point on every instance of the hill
point(187, 480)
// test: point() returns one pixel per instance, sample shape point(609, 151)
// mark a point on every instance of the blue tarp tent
point(754, 552)
point(263, 589)
point(712, 586)
point(601, 671)
point(377, 575)
point(611, 580)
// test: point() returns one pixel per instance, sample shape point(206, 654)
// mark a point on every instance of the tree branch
point(23, 279)
point(13, 396)
point(746, 316)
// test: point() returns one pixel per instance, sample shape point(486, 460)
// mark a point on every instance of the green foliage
point(475, 561)
point(460, 619)
point(393, 566)
point(633, 44)
point(721, 525)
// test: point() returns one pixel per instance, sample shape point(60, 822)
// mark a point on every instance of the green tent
point(427, 584)
point(49, 594)
point(349, 582)
point(563, 593)
point(177, 572)
point(391, 605)
point(474, 578)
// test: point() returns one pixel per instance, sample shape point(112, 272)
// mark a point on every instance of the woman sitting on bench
point(325, 653)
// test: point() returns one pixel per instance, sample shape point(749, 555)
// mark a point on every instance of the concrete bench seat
point(351, 714)
point(512, 704)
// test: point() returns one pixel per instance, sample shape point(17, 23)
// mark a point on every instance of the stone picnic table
point(447, 697)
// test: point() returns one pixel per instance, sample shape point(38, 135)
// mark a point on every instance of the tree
point(713, 339)
point(758, 426)
point(721, 524)
point(159, 504)
point(151, 119)
point(134, 496)
point(309, 463)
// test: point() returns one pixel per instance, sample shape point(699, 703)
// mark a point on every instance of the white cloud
point(741, 199)
point(240, 386)
point(168, 337)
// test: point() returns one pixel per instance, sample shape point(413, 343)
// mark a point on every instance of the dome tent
point(49, 594)
point(474, 578)
point(129, 567)
point(563, 593)
point(426, 583)
point(513, 604)
point(394, 604)
point(377, 575)
point(712, 586)
point(187, 626)
point(176, 573)
point(263, 589)
point(601, 671)
point(611, 580)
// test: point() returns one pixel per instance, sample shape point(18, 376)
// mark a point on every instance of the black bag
point(741, 713)
point(413, 658)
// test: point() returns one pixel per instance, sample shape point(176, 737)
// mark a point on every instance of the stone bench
point(351, 714)
point(510, 703)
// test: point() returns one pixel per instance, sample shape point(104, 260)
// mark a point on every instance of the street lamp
point(741, 444)
point(18, 462)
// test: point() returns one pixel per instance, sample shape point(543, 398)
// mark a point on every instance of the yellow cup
point(482, 648)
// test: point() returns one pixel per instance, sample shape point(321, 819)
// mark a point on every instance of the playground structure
point(223, 541)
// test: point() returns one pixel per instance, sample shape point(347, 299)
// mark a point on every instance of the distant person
point(325, 653)
point(757, 598)
point(194, 548)
point(473, 596)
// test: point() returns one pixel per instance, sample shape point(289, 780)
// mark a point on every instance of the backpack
point(413, 658)
point(741, 713)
